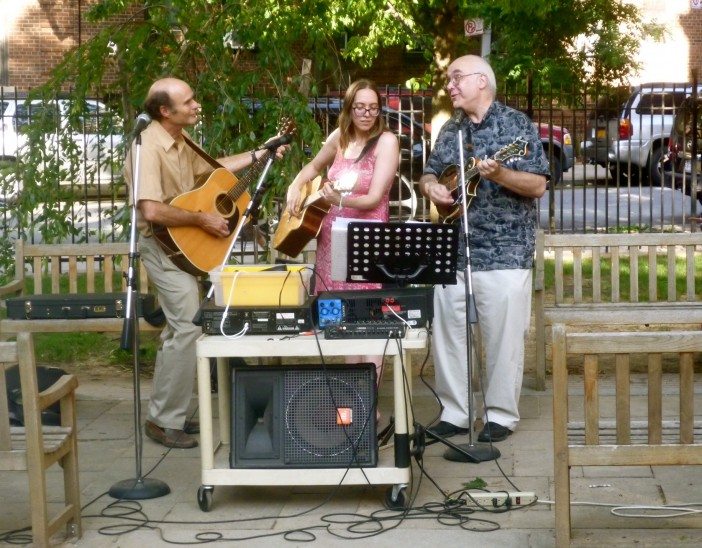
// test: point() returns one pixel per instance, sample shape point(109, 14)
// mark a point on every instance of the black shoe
point(192, 426)
point(446, 429)
point(493, 432)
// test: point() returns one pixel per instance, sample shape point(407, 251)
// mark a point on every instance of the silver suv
point(640, 143)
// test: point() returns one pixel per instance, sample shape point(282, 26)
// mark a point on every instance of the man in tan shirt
point(169, 167)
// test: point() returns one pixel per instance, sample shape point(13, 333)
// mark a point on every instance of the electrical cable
point(662, 511)
point(451, 512)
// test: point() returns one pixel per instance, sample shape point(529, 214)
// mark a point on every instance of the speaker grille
point(312, 424)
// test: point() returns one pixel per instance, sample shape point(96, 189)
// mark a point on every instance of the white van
point(92, 155)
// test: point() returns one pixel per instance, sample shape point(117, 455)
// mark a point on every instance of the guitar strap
point(370, 144)
point(209, 159)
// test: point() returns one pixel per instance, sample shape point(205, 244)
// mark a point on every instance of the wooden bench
point(97, 267)
point(593, 441)
point(583, 300)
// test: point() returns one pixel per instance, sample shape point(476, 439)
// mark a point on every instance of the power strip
point(502, 499)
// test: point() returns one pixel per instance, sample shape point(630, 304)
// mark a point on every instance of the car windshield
point(664, 102)
point(34, 112)
point(93, 120)
point(684, 122)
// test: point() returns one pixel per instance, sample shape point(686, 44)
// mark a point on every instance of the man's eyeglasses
point(456, 78)
point(360, 110)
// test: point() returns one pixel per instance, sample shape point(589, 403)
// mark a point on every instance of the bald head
point(474, 63)
point(161, 94)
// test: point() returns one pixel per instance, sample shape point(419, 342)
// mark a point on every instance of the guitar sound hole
point(225, 205)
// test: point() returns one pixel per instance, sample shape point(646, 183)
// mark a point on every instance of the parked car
point(602, 127)
point(96, 136)
point(558, 147)
point(398, 98)
point(685, 147)
point(637, 141)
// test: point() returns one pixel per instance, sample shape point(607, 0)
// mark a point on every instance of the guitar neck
point(499, 156)
point(249, 177)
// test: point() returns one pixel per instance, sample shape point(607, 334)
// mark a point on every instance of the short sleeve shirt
point(501, 223)
point(168, 168)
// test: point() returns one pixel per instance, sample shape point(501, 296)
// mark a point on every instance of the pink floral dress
point(339, 167)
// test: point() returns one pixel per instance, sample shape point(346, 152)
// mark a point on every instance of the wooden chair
point(34, 447)
point(596, 441)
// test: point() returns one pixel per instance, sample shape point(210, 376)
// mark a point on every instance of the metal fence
point(601, 181)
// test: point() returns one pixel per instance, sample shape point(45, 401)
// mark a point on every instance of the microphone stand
point(470, 452)
point(139, 487)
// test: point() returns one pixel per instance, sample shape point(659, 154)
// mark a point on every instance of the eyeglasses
point(360, 110)
point(456, 78)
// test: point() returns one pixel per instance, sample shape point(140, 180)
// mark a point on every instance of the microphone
point(275, 143)
point(142, 121)
point(458, 116)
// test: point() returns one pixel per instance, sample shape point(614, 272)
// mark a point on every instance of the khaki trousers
point(503, 302)
point(174, 374)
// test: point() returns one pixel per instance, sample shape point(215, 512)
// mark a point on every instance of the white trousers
point(174, 374)
point(503, 302)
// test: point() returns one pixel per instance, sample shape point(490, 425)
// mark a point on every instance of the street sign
point(474, 27)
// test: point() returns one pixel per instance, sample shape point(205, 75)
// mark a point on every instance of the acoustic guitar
point(449, 178)
point(295, 232)
point(194, 250)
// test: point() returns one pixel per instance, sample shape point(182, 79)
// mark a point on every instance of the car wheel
point(556, 170)
point(656, 167)
point(621, 173)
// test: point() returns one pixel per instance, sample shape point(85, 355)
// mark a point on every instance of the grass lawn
point(624, 277)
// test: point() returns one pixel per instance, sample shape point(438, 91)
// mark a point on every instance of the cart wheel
point(396, 498)
point(204, 497)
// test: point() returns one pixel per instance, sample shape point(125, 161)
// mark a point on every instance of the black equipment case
point(76, 306)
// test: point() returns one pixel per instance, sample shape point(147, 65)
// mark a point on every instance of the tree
point(243, 59)
point(552, 42)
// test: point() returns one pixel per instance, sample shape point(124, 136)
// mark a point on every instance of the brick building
point(34, 36)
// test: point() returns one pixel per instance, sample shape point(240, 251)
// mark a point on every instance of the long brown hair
point(346, 128)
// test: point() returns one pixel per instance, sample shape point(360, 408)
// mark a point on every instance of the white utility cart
point(393, 470)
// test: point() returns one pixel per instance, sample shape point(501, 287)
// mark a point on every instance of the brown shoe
point(170, 437)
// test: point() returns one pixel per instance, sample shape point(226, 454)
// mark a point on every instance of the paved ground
point(263, 514)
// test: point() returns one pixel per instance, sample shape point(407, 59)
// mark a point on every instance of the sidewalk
point(106, 455)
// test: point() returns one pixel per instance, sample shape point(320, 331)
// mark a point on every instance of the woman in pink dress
point(360, 159)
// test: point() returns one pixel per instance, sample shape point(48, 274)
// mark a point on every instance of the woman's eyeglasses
point(360, 110)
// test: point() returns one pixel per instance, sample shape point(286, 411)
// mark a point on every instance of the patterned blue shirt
point(501, 223)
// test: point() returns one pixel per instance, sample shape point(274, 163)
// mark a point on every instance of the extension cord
point(500, 499)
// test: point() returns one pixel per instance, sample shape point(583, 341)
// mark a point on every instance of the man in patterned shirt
point(501, 229)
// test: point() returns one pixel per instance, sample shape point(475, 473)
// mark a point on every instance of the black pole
point(138, 487)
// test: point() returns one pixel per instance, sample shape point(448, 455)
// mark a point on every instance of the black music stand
point(402, 253)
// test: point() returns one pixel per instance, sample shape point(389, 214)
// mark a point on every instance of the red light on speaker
point(344, 416)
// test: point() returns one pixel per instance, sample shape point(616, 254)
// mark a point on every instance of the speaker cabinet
point(304, 416)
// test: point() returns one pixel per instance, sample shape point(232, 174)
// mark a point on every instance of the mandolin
point(449, 178)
